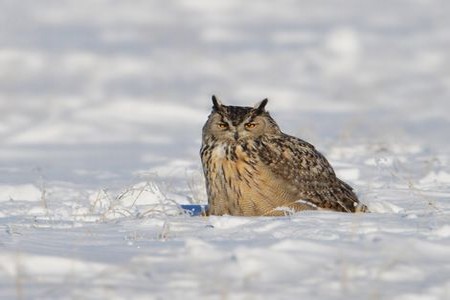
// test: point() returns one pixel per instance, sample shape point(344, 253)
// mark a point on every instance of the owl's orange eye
point(222, 125)
point(250, 125)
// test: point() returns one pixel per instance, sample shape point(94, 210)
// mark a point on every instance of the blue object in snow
point(195, 209)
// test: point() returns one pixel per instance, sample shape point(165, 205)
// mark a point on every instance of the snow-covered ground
point(102, 105)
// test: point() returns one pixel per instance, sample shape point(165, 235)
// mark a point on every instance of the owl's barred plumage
point(252, 168)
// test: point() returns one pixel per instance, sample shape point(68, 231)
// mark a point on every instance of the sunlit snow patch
point(432, 178)
point(384, 207)
point(141, 200)
point(24, 192)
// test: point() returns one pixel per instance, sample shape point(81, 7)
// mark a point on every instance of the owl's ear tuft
point(260, 107)
point(217, 105)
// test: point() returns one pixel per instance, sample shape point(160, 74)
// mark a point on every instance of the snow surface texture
point(102, 106)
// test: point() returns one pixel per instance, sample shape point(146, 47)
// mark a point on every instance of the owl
point(252, 168)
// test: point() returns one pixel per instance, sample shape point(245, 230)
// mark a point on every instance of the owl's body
point(251, 168)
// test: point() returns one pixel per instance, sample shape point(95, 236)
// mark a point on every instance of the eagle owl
point(252, 168)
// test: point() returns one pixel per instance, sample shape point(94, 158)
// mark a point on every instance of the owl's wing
point(306, 174)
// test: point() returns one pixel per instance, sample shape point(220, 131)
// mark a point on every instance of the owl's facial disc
point(238, 123)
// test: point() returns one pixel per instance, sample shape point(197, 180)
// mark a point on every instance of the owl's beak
point(236, 136)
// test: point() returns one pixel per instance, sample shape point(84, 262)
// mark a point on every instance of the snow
point(102, 107)
point(24, 192)
point(434, 178)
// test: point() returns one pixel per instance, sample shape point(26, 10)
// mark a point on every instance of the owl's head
point(237, 123)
